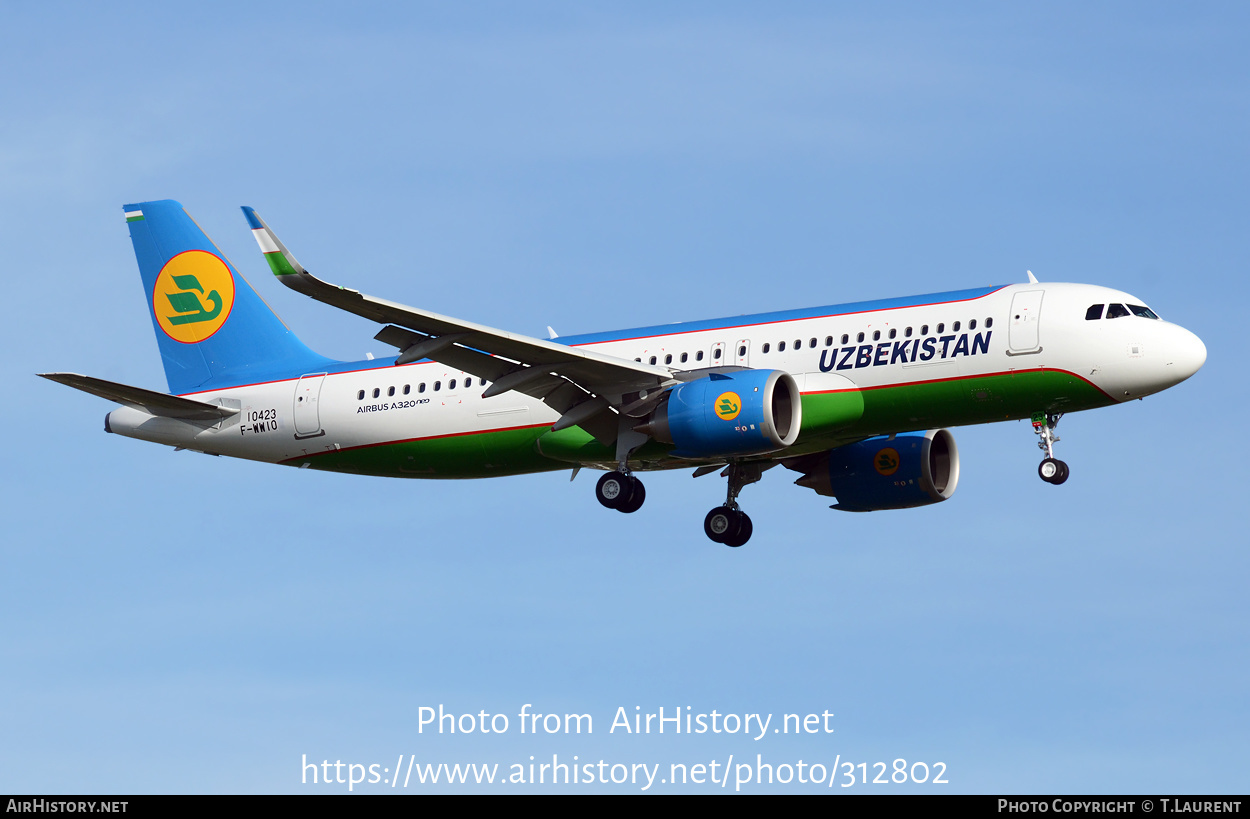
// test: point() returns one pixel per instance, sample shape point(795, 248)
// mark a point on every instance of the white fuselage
point(1011, 329)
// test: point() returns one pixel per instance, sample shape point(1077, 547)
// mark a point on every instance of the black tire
point(721, 524)
point(637, 494)
point(1063, 474)
point(744, 531)
point(613, 489)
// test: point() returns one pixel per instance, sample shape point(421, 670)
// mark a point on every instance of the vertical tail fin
point(212, 328)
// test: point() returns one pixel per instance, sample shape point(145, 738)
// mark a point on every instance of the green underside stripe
point(962, 401)
point(502, 452)
point(829, 419)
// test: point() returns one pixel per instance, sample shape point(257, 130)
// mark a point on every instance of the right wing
point(587, 388)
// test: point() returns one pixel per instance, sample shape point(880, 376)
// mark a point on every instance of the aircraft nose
point(1186, 356)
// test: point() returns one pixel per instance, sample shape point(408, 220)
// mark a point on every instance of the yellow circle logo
point(193, 296)
point(886, 461)
point(727, 406)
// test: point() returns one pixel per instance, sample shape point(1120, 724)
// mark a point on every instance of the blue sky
point(178, 623)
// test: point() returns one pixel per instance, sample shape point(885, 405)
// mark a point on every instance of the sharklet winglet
point(281, 261)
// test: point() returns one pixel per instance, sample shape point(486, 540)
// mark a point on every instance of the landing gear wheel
point(1053, 471)
point(744, 531)
point(638, 494)
point(721, 524)
point(1063, 474)
point(613, 490)
point(729, 526)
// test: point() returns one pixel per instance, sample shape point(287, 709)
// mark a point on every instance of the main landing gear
point(1050, 469)
point(728, 524)
point(620, 491)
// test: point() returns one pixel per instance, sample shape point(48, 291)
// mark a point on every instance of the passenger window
point(684, 356)
point(876, 335)
point(828, 341)
point(438, 385)
point(989, 322)
point(652, 359)
point(907, 332)
point(468, 382)
point(859, 337)
point(924, 331)
point(1116, 311)
point(698, 356)
point(893, 333)
point(955, 327)
point(972, 325)
point(764, 349)
point(376, 392)
point(742, 350)
point(451, 385)
point(845, 338)
point(811, 343)
point(798, 344)
point(716, 354)
point(668, 359)
point(360, 396)
point(407, 389)
point(941, 327)
point(421, 387)
point(390, 392)
point(781, 346)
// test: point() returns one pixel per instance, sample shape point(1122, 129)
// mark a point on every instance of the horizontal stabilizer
point(149, 401)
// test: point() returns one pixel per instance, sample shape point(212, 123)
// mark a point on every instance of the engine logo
point(886, 461)
point(727, 406)
point(193, 296)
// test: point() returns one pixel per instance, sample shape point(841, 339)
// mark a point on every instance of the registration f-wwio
point(854, 397)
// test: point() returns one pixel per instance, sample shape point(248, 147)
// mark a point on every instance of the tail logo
point(727, 406)
point(193, 296)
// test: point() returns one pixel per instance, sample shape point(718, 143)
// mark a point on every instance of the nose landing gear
point(1050, 469)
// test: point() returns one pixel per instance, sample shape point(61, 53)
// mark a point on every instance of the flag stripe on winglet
point(280, 260)
point(265, 241)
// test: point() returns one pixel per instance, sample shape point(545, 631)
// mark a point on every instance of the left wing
point(153, 403)
point(585, 387)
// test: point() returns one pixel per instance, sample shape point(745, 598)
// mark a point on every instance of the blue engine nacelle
point(914, 469)
point(745, 412)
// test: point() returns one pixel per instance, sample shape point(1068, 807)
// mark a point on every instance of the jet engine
point(744, 412)
point(912, 469)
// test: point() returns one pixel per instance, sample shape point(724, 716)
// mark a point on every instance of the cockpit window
point(1116, 311)
point(1094, 312)
point(1144, 312)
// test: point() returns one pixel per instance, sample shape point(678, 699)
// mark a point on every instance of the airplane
point(856, 397)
